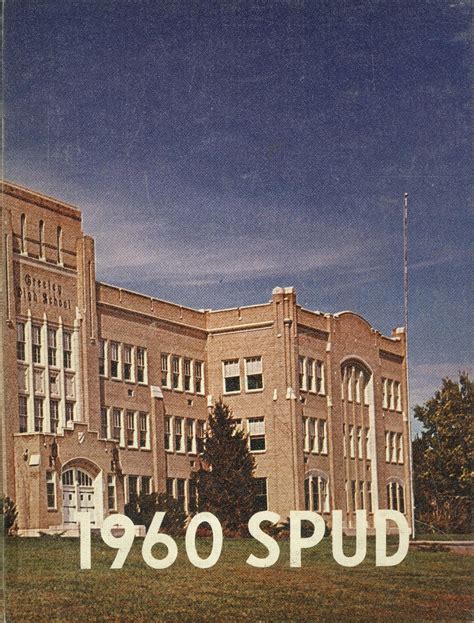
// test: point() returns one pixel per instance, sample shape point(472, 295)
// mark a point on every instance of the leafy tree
point(142, 508)
point(443, 457)
point(9, 514)
point(224, 483)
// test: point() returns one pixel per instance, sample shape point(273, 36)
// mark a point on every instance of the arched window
point(355, 382)
point(23, 234)
point(41, 239)
point(395, 495)
point(59, 245)
point(316, 492)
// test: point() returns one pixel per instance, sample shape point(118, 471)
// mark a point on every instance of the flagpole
point(407, 382)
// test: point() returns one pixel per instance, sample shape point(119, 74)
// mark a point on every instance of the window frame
point(247, 375)
point(225, 362)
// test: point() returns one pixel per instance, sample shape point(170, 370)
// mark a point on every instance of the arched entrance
point(81, 492)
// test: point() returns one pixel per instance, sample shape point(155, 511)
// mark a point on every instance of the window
point(351, 441)
point(349, 384)
point(178, 434)
point(131, 429)
point(168, 433)
point(360, 450)
point(20, 341)
point(367, 444)
point(52, 347)
point(253, 374)
point(187, 375)
point(198, 380)
point(305, 434)
point(132, 487)
point(395, 496)
point(38, 381)
point(23, 234)
point(387, 447)
point(181, 492)
point(176, 372)
point(310, 375)
point(261, 503)
point(312, 435)
point(323, 436)
point(38, 406)
point(391, 396)
point(54, 383)
point(192, 496)
point(316, 492)
point(302, 373)
point(141, 365)
point(369, 496)
point(54, 415)
point(127, 363)
point(257, 434)
point(170, 486)
point(102, 357)
point(200, 435)
point(59, 245)
point(319, 377)
point(67, 349)
point(69, 412)
point(146, 485)
point(22, 414)
point(41, 240)
point(144, 441)
point(117, 425)
point(114, 359)
point(111, 496)
point(165, 382)
point(354, 494)
point(400, 448)
point(394, 447)
point(358, 382)
point(384, 393)
point(51, 490)
point(398, 396)
point(344, 439)
point(36, 341)
point(231, 376)
point(104, 423)
point(190, 445)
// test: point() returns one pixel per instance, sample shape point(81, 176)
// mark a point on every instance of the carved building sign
point(46, 291)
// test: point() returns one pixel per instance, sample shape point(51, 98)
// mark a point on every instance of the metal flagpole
point(405, 306)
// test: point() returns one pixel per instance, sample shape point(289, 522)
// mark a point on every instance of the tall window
point(114, 359)
point(141, 365)
point(127, 362)
point(319, 377)
point(168, 433)
point(41, 240)
point(104, 423)
point(398, 396)
point(23, 234)
point(170, 486)
point(395, 496)
point(312, 439)
point(355, 382)
point(198, 380)
point(367, 444)
point(302, 373)
point(400, 448)
point(164, 370)
point(200, 435)
point(323, 436)
point(187, 374)
point(20, 341)
point(316, 492)
point(253, 373)
point(111, 496)
point(59, 245)
point(132, 487)
point(130, 429)
point(257, 434)
point(67, 349)
point(310, 375)
point(143, 417)
point(51, 490)
point(176, 372)
point(181, 492)
point(231, 376)
point(102, 355)
point(190, 445)
point(36, 343)
point(360, 447)
point(146, 485)
point(38, 407)
point(351, 441)
point(178, 434)
point(22, 414)
point(69, 412)
point(54, 415)
point(51, 347)
point(261, 502)
point(117, 425)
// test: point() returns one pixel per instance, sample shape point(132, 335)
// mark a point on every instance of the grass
point(44, 583)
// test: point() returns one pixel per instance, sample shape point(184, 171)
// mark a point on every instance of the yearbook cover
point(234, 371)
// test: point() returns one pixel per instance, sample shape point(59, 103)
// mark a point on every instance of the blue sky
point(219, 149)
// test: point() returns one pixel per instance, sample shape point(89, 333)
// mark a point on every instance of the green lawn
point(44, 583)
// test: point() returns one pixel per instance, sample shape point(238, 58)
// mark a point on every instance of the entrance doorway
point(78, 495)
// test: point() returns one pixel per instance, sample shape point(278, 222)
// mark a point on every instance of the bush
point(9, 515)
point(141, 510)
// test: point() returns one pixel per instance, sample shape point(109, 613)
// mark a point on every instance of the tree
point(224, 483)
point(9, 514)
point(443, 457)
